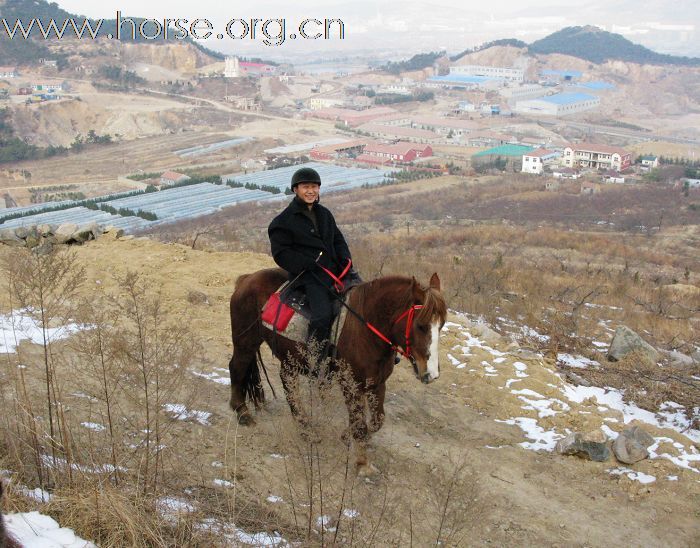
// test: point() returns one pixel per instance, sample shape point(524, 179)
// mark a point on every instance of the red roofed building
point(172, 177)
point(8, 72)
point(256, 69)
point(400, 152)
point(332, 152)
point(352, 118)
point(596, 157)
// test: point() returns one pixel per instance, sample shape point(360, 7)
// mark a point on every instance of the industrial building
point(559, 104)
point(522, 93)
point(464, 81)
point(509, 74)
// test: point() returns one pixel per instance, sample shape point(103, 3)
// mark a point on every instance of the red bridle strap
point(409, 323)
point(410, 313)
point(337, 280)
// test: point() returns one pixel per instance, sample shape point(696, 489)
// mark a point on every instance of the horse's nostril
point(426, 378)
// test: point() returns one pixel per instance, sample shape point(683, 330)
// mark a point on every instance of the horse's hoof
point(246, 419)
point(368, 471)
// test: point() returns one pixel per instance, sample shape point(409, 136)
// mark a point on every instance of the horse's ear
point(435, 281)
point(417, 289)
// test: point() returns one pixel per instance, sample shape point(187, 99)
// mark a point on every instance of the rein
point(409, 314)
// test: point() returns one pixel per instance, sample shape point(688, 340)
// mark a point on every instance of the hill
point(478, 441)
point(21, 50)
point(598, 46)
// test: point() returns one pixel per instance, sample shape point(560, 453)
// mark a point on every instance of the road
point(642, 136)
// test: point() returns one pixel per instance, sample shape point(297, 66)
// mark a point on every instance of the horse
point(390, 315)
point(6, 540)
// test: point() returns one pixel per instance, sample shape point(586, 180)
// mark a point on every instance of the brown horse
point(6, 541)
point(408, 315)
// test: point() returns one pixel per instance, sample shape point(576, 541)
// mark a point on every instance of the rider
point(305, 240)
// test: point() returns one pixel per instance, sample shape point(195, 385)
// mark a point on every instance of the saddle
point(287, 312)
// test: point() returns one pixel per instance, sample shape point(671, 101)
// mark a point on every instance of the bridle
point(408, 314)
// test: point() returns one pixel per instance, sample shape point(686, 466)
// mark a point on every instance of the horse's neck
point(383, 302)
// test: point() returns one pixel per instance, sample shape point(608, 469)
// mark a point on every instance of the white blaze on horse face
point(433, 366)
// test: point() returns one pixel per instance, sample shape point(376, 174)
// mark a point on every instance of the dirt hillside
point(493, 415)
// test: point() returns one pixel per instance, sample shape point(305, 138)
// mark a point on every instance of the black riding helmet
point(305, 175)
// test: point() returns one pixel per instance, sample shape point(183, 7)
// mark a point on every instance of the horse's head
point(423, 329)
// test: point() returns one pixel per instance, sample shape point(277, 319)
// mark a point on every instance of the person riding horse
point(306, 242)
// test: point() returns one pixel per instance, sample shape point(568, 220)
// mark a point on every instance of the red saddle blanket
point(276, 313)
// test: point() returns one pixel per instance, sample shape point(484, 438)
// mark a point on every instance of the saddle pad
point(277, 313)
point(298, 326)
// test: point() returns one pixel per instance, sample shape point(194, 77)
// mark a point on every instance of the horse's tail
point(252, 383)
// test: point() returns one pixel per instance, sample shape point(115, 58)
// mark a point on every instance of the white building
point(559, 104)
point(522, 92)
point(232, 68)
point(534, 161)
point(317, 103)
point(8, 72)
point(500, 73)
point(594, 156)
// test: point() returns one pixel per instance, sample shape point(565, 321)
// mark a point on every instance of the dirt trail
point(510, 495)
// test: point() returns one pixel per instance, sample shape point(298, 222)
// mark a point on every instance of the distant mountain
point(598, 46)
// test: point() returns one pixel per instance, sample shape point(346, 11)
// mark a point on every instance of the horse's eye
point(423, 328)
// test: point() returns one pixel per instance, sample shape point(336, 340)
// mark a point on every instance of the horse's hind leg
point(241, 367)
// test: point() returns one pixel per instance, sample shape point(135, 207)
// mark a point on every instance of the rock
point(45, 230)
point(64, 233)
point(626, 341)
point(44, 248)
point(595, 436)
point(197, 297)
point(32, 241)
point(21, 232)
point(84, 233)
point(631, 445)
point(114, 232)
point(574, 444)
point(696, 356)
point(485, 333)
point(8, 237)
point(679, 360)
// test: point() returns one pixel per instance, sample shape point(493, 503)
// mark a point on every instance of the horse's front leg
point(355, 401)
point(376, 407)
point(290, 382)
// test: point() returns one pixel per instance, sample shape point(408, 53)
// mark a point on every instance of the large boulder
point(8, 236)
point(577, 444)
point(626, 341)
point(85, 233)
point(632, 444)
point(64, 233)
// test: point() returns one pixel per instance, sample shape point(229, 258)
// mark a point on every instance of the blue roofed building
point(559, 104)
point(561, 75)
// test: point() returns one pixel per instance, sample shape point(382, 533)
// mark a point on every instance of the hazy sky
point(401, 26)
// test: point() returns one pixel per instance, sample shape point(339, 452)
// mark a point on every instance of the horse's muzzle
point(426, 379)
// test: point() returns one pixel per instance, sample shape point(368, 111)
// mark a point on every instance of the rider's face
point(307, 192)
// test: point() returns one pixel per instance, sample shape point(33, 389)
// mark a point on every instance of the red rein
point(411, 312)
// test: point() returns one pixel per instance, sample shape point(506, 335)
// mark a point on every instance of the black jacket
point(295, 243)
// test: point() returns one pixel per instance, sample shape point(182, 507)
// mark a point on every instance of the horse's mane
point(433, 303)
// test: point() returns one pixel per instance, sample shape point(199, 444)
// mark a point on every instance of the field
point(171, 467)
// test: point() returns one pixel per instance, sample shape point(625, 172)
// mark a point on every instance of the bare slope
point(484, 412)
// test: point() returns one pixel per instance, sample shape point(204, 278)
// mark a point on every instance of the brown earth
point(503, 494)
